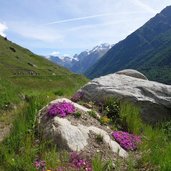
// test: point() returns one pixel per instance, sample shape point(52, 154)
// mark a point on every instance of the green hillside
point(24, 73)
point(31, 71)
point(148, 50)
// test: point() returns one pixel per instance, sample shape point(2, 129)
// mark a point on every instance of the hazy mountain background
point(79, 63)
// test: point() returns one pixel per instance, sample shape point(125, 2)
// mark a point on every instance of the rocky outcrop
point(75, 134)
point(154, 98)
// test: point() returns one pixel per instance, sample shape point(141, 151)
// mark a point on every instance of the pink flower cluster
point(79, 163)
point(40, 165)
point(77, 96)
point(61, 109)
point(126, 140)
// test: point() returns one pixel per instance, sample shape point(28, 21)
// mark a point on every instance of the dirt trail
point(4, 130)
point(7, 118)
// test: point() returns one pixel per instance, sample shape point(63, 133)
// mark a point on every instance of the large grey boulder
point(153, 98)
point(75, 134)
point(132, 73)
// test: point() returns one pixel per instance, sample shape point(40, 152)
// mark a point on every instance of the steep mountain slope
point(79, 63)
point(148, 50)
point(32, 72)
point(88, 58)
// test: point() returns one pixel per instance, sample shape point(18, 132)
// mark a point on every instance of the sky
point(66, 27)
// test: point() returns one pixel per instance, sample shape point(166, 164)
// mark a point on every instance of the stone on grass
point(153, 98)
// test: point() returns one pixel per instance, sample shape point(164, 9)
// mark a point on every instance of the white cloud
point(91, 17)
point(3, 28)
point(144, 6)
point(79, 18)
point(36, 32)
point(55, 53)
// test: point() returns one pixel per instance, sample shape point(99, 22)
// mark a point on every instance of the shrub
point(104, 120)
point(77, 114)
point(167, 129)
point(92, 113)
point(61, 109)
point(111, 109)
point(99, 138)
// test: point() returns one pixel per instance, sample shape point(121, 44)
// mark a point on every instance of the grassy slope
point(27, 73)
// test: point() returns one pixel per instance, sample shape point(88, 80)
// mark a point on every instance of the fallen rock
point(31, 64)
point(75, 134)
point(153, 98)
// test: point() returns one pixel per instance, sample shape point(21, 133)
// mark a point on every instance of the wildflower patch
point(61, 109)
point(126, 140)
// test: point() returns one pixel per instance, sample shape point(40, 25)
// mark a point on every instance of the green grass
point(155, 149)
point(130, 116)
point(156, 144)
point(16, 152)
point(24, 145)
point(8, 93)
point(99, 165)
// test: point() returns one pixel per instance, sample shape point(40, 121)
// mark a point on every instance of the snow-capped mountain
point(89, 57)
point(64, 61)
point(79, 63)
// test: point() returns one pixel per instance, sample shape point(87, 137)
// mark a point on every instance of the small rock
point(97, 151)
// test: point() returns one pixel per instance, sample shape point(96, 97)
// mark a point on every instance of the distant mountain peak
point(166, 10)
point(101, 47)
point(81, 62)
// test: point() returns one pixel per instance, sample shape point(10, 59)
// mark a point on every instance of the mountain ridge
point(140, 50)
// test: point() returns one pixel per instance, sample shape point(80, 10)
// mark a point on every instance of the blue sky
point(71, 26)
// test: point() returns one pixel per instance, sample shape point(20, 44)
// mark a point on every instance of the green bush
point(111, 109)
point(92, 113)
point(77, 114)
point(166, 126)
point(99, 138)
